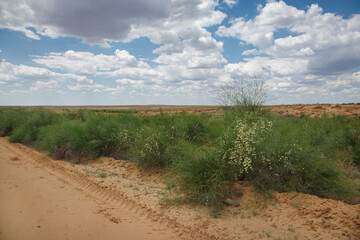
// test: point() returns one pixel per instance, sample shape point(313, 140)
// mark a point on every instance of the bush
point(151, 148)
point(195, 130)
point(294, 159)
point(101, 132)
point(66, 140)
point(92, 136)
point(245, 95)
point(352, 140)
point(11, 119)
point(27, 133)
point(241, 151)
point(201, 178)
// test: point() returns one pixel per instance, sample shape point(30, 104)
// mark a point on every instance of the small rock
point(277, 204)
point(238, 194)
point(231, 202)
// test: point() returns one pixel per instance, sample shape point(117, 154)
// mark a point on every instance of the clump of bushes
point(204, 153)
point(27, 132)
point(65, 140)
point(11, 119)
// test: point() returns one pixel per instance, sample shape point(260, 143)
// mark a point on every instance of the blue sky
point(111, 52)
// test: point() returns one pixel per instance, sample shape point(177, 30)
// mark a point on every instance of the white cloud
point(326, 43)
point(39, 85)
point(86, 86)
point(187, 51)
point(230, 3)
point(253, 52)
point(12, 73)
point(86, 20)
point(41, 78)
point(88, 63)
point(278, 14)
point(303, 52)
point(98, 22)
point(310, 59)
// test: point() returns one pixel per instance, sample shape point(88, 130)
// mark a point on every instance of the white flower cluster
point(125, 138)
point(151, 148)
point(247, 135)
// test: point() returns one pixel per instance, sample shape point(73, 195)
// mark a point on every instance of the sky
point(177, 52)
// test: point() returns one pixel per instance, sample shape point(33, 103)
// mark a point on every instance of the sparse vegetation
point(205, 152)
point(101, 173)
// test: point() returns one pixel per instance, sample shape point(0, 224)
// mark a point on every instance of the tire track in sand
point(110, 199)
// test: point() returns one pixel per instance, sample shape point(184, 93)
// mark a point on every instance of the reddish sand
point(111, 199)
point(317, 110)
point(314, 110)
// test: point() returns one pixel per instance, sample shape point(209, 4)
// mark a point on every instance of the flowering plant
point(241, 154)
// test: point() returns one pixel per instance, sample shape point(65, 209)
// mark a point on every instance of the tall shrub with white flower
point(242, 151)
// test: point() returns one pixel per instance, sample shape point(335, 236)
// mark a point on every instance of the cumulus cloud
point(301, 52)
point(42, 78)
point(39, 85)
point(230, 3)
point(89, 63)
point(251, 52)
point(89, 86)
point(190, 69)
point(187, 49)
point(312, 55)
point(326, 43)
point(19, 73)
point(91, 20)
point(98, 22)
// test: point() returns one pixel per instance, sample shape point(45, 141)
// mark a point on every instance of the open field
point(314, 110)
point(62, 200)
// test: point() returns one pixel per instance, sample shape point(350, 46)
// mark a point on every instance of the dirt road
point(41, 200)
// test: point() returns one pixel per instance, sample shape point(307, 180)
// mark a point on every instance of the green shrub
point(195, 130)
point(200, 177)
point(101, 134)
point(152, 148)
point(293, 158)
point(11, 119)
point(66, 140)
point(28, 132)
point(352, 140)
point(76, 115)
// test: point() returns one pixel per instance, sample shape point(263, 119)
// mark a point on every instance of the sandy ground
point(314, 110)
point(317, 110)
point(112, 199)
point(40, 202)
